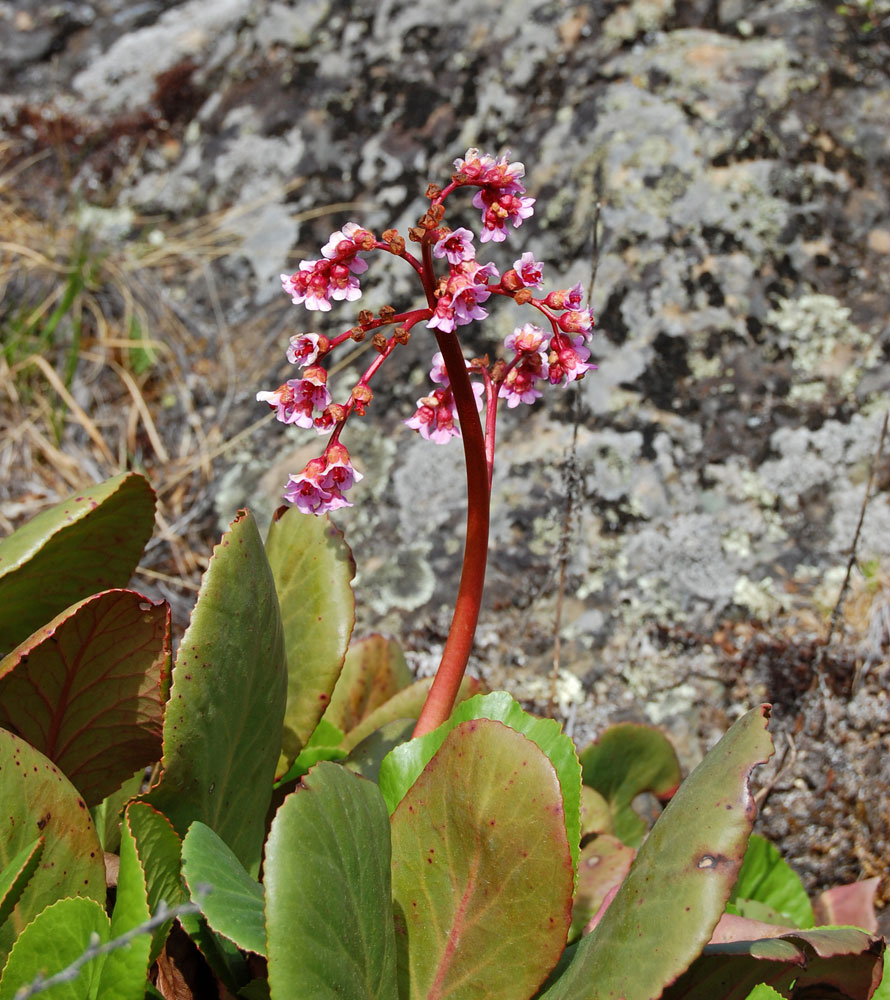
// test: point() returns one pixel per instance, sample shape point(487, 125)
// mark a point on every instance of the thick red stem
point(459, 643)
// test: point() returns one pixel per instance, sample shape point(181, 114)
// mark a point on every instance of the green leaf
point(374, 670)
point(627, 760)
point(366, 758)
point(596, 816)
point(329, 919)
point(88, 689)
point(401, 768)
point(767, 878)
point(313, 570)
point(87, 543)
point(222, 728)
point(225, 960)
point(670, 902)
point(37, 800)
point(17, 874)
point(404, 705)
point(605, 862)
point(482, 872)
point(825, 962)
point(764, 992)
point(324, 744)
point(56, 937)
point(107, 814)
point(125, 968)
point(158, 848)
point(233, 904)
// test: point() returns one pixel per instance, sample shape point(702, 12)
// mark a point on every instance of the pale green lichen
point(823, 342)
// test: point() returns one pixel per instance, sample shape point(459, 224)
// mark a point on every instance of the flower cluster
point(551, 351)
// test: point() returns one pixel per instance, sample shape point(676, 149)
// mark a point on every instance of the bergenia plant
point(463, 401)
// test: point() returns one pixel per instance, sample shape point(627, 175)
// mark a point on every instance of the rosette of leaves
point(305, 845)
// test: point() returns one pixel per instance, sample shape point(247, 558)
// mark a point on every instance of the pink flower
point(529, 271)
point(576, 321)
point(443, 317)
point(499, 208)
point(483, 169)
point(306, 349)
point(519, 385)
point(456, 246)
point(318, 281)
point(295, 401)
point(528, 339)
point(567, 359)
point(566, 298)
point(435, 418)
point(319, 487)
point(345, 243)
point(437, 372)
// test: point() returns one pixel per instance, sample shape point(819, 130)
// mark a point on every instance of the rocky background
point(720, 170)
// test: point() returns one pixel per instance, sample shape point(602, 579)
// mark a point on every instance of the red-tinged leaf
point(87, 543)
point(822, 962)
point(313, 569)
point(849, 904)
point(604, 863)
point(404, 705)
point(627, 760)
point(482, 872)
point(222, 725)
point(374, 670)
point(88, 689)
point(666, 909)
point(37, 800)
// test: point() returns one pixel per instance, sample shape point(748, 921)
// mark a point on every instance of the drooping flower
point(576, 321)
point(530, 343)
point(319, 487)
point(435, 417)
point(567, 359)
point(295, 400)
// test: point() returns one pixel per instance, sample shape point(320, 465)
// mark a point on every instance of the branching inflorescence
point(551, 350)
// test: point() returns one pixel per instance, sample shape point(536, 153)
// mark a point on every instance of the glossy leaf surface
point(329, 920)
point(124, 970)
point(222, 728)
point(401, 768)
point(625, 761)
point(676, 891)
point(233, 904)
point(87, 543)
point(404, 705)
point(37, 800)
point(374, 670)
point(605, 861)
point(482, 872)
point(768, 879)
point(88, 689)
point(829, 962)
point(313, 570)
point(107, 814)
point(58, 935)
point(158, 848)
point(17, 874)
